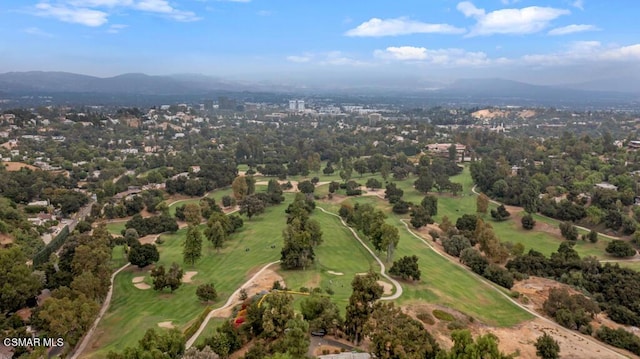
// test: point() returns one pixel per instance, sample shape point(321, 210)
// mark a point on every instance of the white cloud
point(400, 26)
point(79, 15)
point(163, 7)
point(100, 3)
point(579, 4)
point(37, 32)
point(298, 59)
point(510, 21)
point(442, 57)
point(116, 28)
point(580, 52)
point(571, 29)
point(337, 58)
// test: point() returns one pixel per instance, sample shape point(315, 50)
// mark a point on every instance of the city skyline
point(543, 42)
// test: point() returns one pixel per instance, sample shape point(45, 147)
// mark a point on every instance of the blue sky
point(309, 40)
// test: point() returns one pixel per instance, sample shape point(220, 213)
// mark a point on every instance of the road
point(398, 291)
point(520, 305)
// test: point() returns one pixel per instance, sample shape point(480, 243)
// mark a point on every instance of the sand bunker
point(167, 325)
point(143, 286)
point(137, 279)
point(335, 273)
point(386, 287)
point(187, 277)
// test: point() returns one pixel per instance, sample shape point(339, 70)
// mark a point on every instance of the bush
point(500, 214)
point(569, 231)
point(619, 338)
point(456, 325)
point(442, 315)
point(620, 248)
point(528, 222)
point(206, 292)
point(426, 318)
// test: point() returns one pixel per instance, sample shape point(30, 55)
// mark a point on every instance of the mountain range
point(50, 83)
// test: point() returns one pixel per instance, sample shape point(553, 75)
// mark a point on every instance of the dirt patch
point(16, 166)
point(227, 210)
point(264, 282)
point(150, 239)
point(373, 192)
point(335, 273)
point(335, 199)
point(167, 325)
point(188, 276)
point(137, 279)
point(5, 239)
point(537, 290)
point(386, 287)
point(142, 286)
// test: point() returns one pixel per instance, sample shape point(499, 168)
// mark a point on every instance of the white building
point(296, 105)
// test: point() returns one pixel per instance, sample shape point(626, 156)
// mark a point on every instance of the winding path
point(233, 299)
point(520, 305)
point(398, 291)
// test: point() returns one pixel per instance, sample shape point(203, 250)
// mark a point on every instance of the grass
point(340, 252)
point(446, 283)
point(133, 311)
point(118, 258)
point(116, 228)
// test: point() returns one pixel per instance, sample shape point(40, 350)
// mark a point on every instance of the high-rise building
point(296, 105)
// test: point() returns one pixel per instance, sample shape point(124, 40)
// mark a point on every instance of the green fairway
point(448, 284)
point(339, 252)
point(118, 258)
point(133, 311)
point(116, 228)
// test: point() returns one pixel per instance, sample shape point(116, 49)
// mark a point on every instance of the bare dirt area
point(537, 289)
point(263, 282)
point(373, 192)
point(16, 166)
point(294, 185)
point(5, 239)
point(150, 239)
point(188, 276)
point(167, 325)
point(387, 288)
point(520, 338)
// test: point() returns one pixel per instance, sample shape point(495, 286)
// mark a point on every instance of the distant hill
point(139, 84)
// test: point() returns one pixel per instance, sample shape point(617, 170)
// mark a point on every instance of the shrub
point(620, 248)
point(426, 318)
point(442, 315)
point(528, 222)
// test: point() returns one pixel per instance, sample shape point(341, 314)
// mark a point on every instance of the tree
point(593, 236)
point(393, 193)
point(192, 245)
point(406, 268)
point(278, 311)
point(430, 203)
point(216, 234)
point(424, 183)
point(206, 292)
point(240, 188)
point(482, 203)
point(500, 214)
point(321, 313)
point(360, 165)
point(547, 347)
point(274, 190)
point(394, 334)
point(366, 291)
point(306, 187)
point(192, 214)
point(485, 346)
point(386, 238)
point(620, 248)
point(296, 339)
point(528, 222)
point(569, 231)
point(143, 255)
point(17, 282)
point(251, 206)
point(174, 277)
point(455, 244)
point(373, 184)
point(420, 217)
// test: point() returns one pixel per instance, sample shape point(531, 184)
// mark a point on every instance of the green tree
point(406, 268)
point(240, 188)
point(569, 231)
point(386, 238)
point(192, 214)
point(528, 222)
point(547, 347)
point(306, 187)
point(620, 248)
point(296, 337)
point(430, 203)
point(464, 347)
point(366, 291)
point(420, 217)
point(192, 245)
point(373, 183)
point(251, 206)
point(500, 213)
point(206, 292)
point(143, 255)
point(17, 282)
point(482, 203)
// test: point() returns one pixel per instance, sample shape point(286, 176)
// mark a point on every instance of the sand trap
point(167, 325)
point(335, 273)
point(143, 286)
point(386, 287)
point(363, 273)
point(187, 277)
point(137, 279)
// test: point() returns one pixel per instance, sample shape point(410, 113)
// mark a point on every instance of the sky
point(311, 41)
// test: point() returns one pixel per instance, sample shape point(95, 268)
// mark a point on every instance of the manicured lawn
point(118, 258)
point(340, 252)
point(445, 283)
point(133, 311)
point(116, 228)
